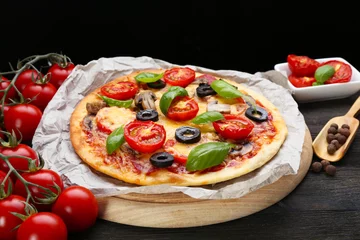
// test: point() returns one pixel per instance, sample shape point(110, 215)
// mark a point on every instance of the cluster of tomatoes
point(303, 69)
point(33, 201)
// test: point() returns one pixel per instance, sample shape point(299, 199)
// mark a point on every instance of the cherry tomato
point(120, 90)
point(18, 163)
point(233, 127)
point(44, 177)
point(179, 76)
point(11, 93)
point(59, 73)
point(8, 181)
point(8, 222)
point(42, 226)
point(40, 93)
point(24, 118)
point(78, 208)
point(144, 136)
point(26, 77)
point(302, 65)
point(301, 81)
point(343, 72)
point(182, 109)
point(178, 157)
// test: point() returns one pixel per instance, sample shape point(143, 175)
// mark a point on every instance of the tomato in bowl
point(343, 83)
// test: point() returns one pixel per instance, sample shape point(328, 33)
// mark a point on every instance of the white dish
point(323, 92)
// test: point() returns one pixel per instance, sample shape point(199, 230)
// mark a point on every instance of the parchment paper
point(52, 139)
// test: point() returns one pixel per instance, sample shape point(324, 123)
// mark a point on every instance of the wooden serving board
point(177, 210)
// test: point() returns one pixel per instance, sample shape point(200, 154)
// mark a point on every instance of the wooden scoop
point(320, 144)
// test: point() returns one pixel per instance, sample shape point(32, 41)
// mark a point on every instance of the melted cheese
point(113, 117)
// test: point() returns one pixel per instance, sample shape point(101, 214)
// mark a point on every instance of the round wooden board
point(177, 210)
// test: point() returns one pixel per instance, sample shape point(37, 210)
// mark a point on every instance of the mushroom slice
point(94, 107)
point(145, 100)
point(218, 107)
point(88, 122)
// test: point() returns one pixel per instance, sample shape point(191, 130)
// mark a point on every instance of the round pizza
point(175, 126)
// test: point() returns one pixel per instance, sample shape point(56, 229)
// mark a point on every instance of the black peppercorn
point(332, 130)
point(341, 138)
point(331, 148)
point(344, 131)
point(330, 170)
point(345, 126)
point(334, 125)
point(325, 163)
point(330, 137)
point(316, 167)
point(336, 144)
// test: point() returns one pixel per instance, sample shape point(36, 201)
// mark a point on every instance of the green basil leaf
point(207, 155)
point(147, 77)
point(169, 96)
point(115, 140)
point(208, 117)
point(324, 73)
point(225, 89)
point(114, 102)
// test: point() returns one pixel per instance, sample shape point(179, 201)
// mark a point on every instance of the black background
point(248, 36)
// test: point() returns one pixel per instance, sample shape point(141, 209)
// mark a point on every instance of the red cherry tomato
point(24, 118)
point(42, 226)
point(8, 181)
point(182, 109)
point(45, 178)
point(8, 221)
point(178, 157)
point(144, 136)
point(26, 77)
point(59, 73)
point(302, 65)
point(18, 163)
point(301, 81)
point(343, 72)
point(120, 90)
point(78, 208)
point(40, 93)
point(11, 93)
point(179, 76)
point(233, 127)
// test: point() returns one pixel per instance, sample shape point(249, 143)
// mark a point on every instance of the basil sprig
point(207, 155)
point(114, 102)
point(115, 140)
point(207, 117)
point(225, 89)
point(148, 77)
point(323, 73)
point(168, 97)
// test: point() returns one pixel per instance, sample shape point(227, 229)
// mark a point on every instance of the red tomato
point(23, 117)
point(120, 90)
point(45, 178)
point(233, 127)
point(144, 136)
point(301, 81)
point(26, 77)
point(8, 181)
point(343, 72)
point(302, 65)
point(42, 226)
point(179, 76)
point(59, 73)
point(178, 157)
point(8, 222)
point(18, 163)
point(207, 77)
point(40, 93)
point(78, 208)
point(11, 93)
point(182, 109)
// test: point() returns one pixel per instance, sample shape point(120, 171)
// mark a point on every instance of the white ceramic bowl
point(323, 92)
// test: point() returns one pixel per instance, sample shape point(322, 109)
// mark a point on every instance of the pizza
point(175, 126)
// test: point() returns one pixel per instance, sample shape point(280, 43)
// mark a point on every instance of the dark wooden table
point(321, 207)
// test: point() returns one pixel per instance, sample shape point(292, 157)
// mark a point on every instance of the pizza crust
point(163, 176)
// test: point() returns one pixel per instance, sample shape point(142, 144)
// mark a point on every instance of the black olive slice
point(204, 90)
point(257, 114)
point(162, 159)
point(147, 115)
point(187, 135)
point(157, 85)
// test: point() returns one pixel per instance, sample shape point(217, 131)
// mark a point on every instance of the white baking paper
point(52, 138)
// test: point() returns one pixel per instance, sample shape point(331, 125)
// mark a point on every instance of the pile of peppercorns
point(337, 137)
point(324, 164)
